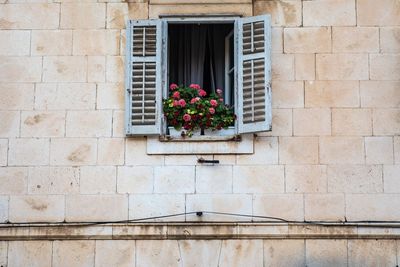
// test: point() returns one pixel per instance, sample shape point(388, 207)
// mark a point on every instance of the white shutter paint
point(254, 74)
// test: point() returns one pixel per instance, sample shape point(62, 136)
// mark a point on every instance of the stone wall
point(333, 153)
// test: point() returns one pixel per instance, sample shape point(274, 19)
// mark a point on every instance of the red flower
point(213, 102)
point(211, 110)
point(173, 86)
point(176, 95)
point(194, 100)
point(202, 92)
point(176, 103)
point(182, 102)
point(186, 117)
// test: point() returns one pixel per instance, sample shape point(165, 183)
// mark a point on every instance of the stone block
point(83, 16)
point(53, 180)
point(305, 178)
point(157, 253)
point(96, 208)
point(307, 40)
point(227, 203)
point(332, 94)
point(305, 66)
point(391, 178)
point(355, 179)
point(15, 43)
point(342, 66)
point(96, 42)
point(258, 179)
point(385, 67)
point(16, 96)
point(3, 214)
point(371, 253)
point(281, 123)
point(20, 69)
point(389, 39)
point(51, 43)
point(115, 68)
point(29, 253)
point(282, 67)
point(367, 207)
point(287, 94)
point(42, 124)
point(174, 179)
point(73, 151)
point(77, 96)
point(111, 151)
point(122, 253)
point(74, 253)
point(135, 153)
point(89, 123)
point(3, 152)
point(3, 253)
point(9, 123)
point(289, 253)
point(13, 180)
point(36, 208)
point(35, 16)
point(341, 150)
point(379, 150)
point(355, 40)
point(326, 252)
point(152, 205)
point(386, 121)
point(352, 122)
point(200, 253)
point(329, 13)
point(135, 180)
point(98, 180)
point(324, 207)
point(241, 253)
point(30, 152)
point(380, 94)
point(96, 68)
point(312, 122)
point(183, 159)
point(298, 150)
point(287, 206)
point(265, 152)
point(378, 13)
point(65, 69)
point(397, 149)
point(119, 13)
point(284, 13)
point(118, 123)
point(214, 179)
point(277, 40)
point(110, 96)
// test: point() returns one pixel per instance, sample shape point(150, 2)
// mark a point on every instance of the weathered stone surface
point(311, 122)
point(73, 151)
point(305, 178)
point(29, 253)
point(235, 253)
point(282, 67)
point(174, 179)
point(13, 180)
point(386, 121)
point(115, 67)
point(332, 94)
point(342, 66)
point(38, 208)
point(284, 13)
point(298, 150)
point(31, 152)
point(98, 180)
point(136, 153)
point(80, 208)
point(3, 217)
point(65, 69)
point(96, 42)
point(158, 253)
point(9, 123)
point(53, 180)
point(281, 123)
point(42, 124)
point(265, 152)
point(96, 69)
point(385, 67)
point(326, 253)
point(51, 42)
point(379, 150)
point(372, 207)
point(355, 179)
point(287, 206)
point(396, 149)
point(111, 151)
point(110, 96)
point(15, 43)
point(3, 252)
point(3, 152)
point(320, 207)
point(389, 39)
point(352, 122)
point(20, 69)
point(355, 40)
point(83, 16)
point(16, 96)
point(119, 13)
point(391, 178)
point(288, 253)
point(214, 179)
point(136, 180)
point(73, 253)
point(200, 253)
point(380, 94)
point(258, 179)
point(119, 253)
point(152, 205)
point(277, 40)
point(89, 123)
point(378, 13)
point(329, 13)
point(287, 94)
point(305, 66)
point(341, 150)
point(156, 10)
point(307, 40)
point(371, 253)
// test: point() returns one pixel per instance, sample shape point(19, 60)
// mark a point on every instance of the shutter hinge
point(128, 90)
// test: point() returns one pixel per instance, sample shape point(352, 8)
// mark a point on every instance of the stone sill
point(174, 231)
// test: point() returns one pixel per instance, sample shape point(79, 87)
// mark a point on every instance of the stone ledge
point(175, 231)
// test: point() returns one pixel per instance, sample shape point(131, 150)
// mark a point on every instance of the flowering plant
point(191, 109)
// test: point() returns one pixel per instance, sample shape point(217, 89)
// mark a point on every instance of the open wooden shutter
point(143, 73)
point(254, 74)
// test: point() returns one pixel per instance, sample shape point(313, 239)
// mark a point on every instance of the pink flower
point(194, 86)
point(176, 95)
point(219, 91)
point(211, 110)
point(182, 103)
point(186, 117)
point(213, 102)
point(202, 92)
point(176, 103)
point(173, 86)
point(194, 100)
point(221, 100)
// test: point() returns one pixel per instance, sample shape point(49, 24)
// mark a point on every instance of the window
point(229, 52)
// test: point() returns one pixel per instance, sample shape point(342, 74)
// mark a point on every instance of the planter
point(207, 132)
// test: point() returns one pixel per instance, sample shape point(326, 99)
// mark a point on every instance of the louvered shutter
point(254, 74)
point(143, 72)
